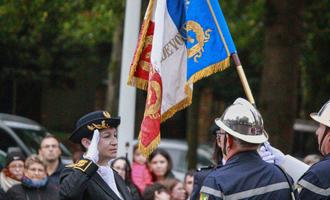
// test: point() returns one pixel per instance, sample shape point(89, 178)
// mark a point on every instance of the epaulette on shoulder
point(205, 168)
point(84, 165)
point(70, 165)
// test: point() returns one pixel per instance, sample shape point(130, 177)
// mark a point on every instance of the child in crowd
point(140, 173)
point(175, 188)
point(156, 191)
point(189, 182)
point(160, 165)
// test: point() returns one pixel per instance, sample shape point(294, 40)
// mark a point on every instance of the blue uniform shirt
point(246, 176)
point(315, 183)
point(199, 177)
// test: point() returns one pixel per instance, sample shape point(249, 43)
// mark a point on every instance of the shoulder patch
point(70, 165)
point(205, 168)
point(82, 165)
point(203, 196)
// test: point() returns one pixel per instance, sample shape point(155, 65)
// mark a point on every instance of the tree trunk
point(114, 72)
point(279, 86)
point(192, 125)
point(205, 115)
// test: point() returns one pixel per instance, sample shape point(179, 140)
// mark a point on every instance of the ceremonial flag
point(180, 42)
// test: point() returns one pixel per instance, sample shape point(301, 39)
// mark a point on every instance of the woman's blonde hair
point(34, 159)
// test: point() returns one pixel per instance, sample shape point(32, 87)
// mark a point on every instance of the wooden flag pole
point(243, 79)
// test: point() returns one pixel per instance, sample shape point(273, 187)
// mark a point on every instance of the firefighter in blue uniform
point(201, 173)
point(244, 174)
point(315, 182)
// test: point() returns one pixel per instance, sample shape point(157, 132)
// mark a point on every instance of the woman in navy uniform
point(92, 176)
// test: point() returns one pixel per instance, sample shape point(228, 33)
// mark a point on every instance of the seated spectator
point(156, 191)
point(122, 166)
point(34, 182)
point(13, 172)
point(312, 159)
point(141, 176)
point(175, 188)
point(189, 182)
point(160, 165)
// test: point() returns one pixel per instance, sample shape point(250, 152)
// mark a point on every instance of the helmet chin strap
point(225, 145)
point(327, 129)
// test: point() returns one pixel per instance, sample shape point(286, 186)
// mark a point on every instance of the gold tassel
point(139, 83)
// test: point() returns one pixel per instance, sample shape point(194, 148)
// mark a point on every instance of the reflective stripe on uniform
point(247, 193)
point(211, 191)
point(259, 191)
point(313, 188)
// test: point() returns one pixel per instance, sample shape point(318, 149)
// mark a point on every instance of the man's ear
point(85, 142)
point(218, 140)
point(230, 141)
point(60, 151)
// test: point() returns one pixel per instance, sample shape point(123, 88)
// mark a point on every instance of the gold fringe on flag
point(139, 83)
point(140, 47)
point(196, 77)
point(220, 66)
point(179, 106)
point(147, 150)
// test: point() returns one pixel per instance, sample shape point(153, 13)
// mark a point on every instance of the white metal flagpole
point(127, 93)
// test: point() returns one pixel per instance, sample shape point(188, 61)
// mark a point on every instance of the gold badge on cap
point(93, 126)
point(106, 115)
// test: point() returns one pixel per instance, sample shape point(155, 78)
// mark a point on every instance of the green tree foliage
point(48, 44)
point(315, 71)
point(246, 22)
point(40, 39)
point(95, 23)
point(48, 41)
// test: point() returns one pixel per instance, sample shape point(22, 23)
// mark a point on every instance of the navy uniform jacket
point(2, 194)
point(55, 177)
point(81, 181)
point(199, 177)
point(246, 176)
point(315, 183)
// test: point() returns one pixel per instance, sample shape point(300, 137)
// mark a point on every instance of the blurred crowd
point(247, 165)
point(38, 176)
point(34, 177)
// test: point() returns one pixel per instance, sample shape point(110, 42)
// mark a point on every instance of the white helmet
point(243, 121)
point(323, 116)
